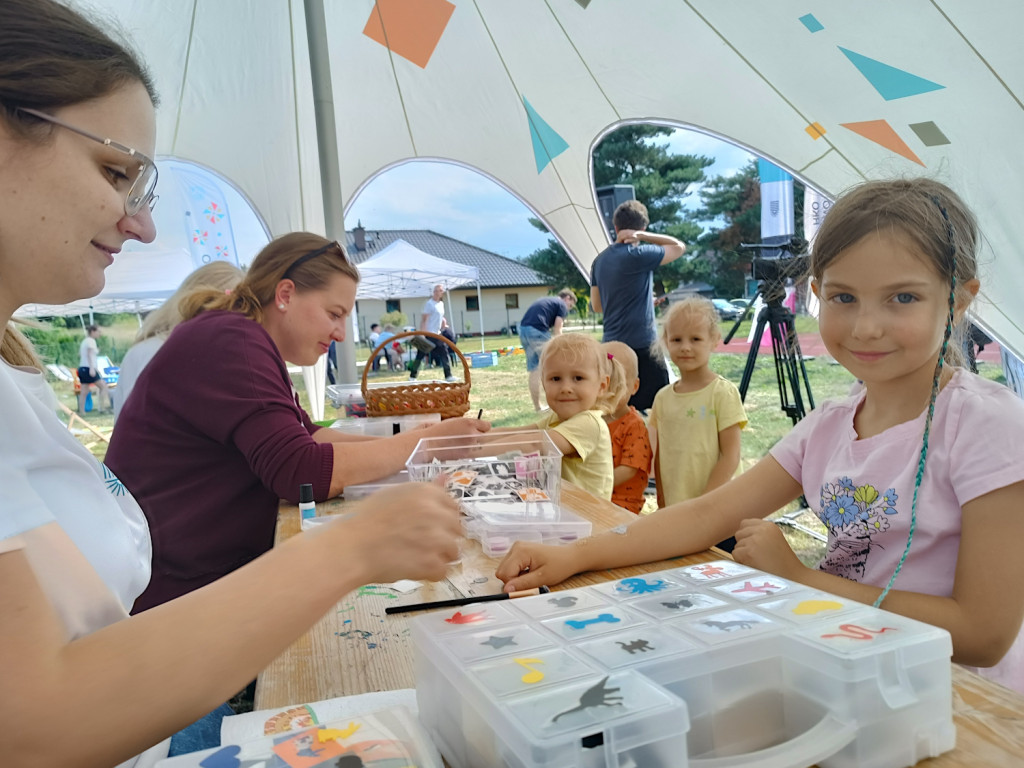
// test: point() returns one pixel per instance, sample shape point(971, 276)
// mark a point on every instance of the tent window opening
point(472, 304)
point(511, 301)
point(393, 305)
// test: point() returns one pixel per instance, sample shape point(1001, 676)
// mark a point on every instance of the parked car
point(726, 310)
point(741, 303)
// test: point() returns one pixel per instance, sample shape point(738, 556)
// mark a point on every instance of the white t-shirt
point(434, 310)
point(135, 360)
point(862, 489)
point(82, 532)
point(88, 345)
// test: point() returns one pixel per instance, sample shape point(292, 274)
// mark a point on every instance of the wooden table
point(356, 648)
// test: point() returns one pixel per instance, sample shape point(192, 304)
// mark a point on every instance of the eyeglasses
point(143, 183)
point(312, 255)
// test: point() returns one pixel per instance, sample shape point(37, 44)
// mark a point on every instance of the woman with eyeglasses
point(81, 682)
point(210, 454)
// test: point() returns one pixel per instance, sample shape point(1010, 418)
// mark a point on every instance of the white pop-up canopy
point(402, 270)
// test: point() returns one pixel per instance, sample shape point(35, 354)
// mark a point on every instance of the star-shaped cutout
point(499, 641)
point(691, 413)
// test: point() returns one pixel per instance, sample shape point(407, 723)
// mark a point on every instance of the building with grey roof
point(507, 286)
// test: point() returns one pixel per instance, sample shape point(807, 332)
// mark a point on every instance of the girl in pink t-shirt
point(917, 477)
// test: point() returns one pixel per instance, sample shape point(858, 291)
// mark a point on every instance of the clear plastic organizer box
point(709, 666)
point(508, 485)
point(520, 467)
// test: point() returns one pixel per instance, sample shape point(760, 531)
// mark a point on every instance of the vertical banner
point(210, 235)
point(816, 205)
point(777, 220)
point(777, 223)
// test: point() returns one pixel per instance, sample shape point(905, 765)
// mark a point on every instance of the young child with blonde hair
point(631, 445)
point(697, 419)
point(576, 374)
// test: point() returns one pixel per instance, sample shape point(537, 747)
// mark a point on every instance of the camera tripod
point(790, 371)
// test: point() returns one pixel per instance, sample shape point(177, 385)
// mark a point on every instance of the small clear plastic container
point(519, 467)
point(385, 426)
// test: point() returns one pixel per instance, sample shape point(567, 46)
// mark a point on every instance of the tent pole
point(330, 181)
point(480, 311)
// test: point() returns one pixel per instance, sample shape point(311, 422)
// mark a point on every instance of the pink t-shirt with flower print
point(862, 489)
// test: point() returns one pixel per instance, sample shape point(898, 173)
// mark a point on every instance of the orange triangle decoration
point(880, 132)
point(410, 28)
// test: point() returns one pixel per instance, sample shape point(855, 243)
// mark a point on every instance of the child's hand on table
point(760, 544)
point(528, 565)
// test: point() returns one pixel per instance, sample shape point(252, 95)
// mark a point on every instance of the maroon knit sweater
point(210, 440)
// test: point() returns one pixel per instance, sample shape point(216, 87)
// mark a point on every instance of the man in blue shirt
point(542, 319)
point(622, 287)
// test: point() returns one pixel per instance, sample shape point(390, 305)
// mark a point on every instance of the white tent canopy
point(522, 91)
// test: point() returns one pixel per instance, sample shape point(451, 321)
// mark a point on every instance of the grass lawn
point(501, 392)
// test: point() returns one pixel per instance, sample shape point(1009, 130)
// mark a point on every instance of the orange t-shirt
point(631, 447)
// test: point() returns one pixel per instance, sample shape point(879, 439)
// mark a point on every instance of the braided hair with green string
point(944, 231)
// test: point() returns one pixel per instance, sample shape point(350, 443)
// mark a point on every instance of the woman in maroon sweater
point(213, 435)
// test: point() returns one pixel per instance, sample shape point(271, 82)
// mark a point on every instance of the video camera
point(787, 258)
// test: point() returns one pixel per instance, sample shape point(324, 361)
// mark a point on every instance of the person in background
point(432, 320)
point(449, 334)
point(621, 280)
point(917, 477)
point(542, 320)
point(577, 375)
point(332, 363)
point(237, 432)
point(631, 445)
point(217, 275)
point(374, 339)
point(77, 131)
point(89, 373)
point(393, 350)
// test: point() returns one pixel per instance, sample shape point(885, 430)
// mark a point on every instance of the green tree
point(554, 265)
point(661, 181)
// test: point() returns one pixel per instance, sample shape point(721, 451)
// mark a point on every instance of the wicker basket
point(448, 398)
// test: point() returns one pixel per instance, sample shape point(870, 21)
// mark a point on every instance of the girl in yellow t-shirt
point(576, 375)
point(697, 419)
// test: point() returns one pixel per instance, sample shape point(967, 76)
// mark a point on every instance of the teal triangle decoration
point(547, 144)
point(890, 82)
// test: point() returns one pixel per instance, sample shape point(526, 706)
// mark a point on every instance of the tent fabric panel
point(756, 76)
point(248, 115)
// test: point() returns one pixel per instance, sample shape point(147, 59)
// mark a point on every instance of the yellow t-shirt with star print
point(688, 424)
